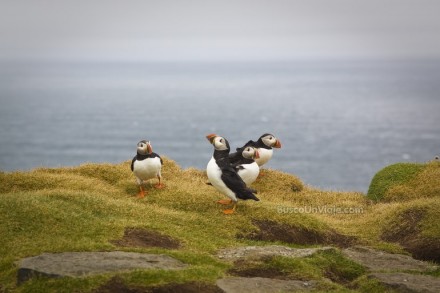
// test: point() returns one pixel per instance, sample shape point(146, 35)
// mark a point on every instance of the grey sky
point(219, 30)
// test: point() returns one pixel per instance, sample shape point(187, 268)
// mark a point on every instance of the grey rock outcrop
point(403, 282)
point(376, 260)
point(80, 264)
point(262, 285)
point(267, 251)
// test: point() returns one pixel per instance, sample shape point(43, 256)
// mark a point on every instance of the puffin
point(245, 165)
point(264, 145)
point(146, 165)
point(224, 177)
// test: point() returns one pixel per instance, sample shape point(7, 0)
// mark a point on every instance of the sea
point(339, 122)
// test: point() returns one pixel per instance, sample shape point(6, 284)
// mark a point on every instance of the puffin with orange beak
point(245, 165)
point(224, 177)
point(264, 145)
point(146, 165)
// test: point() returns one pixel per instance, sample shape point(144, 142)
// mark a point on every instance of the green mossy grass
point(391, 176)
point(84, 208)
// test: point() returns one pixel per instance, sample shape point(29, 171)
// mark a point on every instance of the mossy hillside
point(425, 184)
point(391, 176)
point(414, 194)
point(84, 208)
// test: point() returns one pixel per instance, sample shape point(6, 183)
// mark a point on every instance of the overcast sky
point(218, 30)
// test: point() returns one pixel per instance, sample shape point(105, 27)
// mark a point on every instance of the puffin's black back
point(236, 156)
point(237, 159)
point(256, 144)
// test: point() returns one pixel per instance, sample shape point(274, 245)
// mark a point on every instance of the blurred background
point(349, 87)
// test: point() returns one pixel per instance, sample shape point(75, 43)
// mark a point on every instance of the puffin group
point(230, 173)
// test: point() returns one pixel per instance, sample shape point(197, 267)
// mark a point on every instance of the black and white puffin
point(264, 146)
point(223, 176)
point(146, 165)
point(245, 165)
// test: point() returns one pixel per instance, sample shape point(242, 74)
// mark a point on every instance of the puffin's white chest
point(147, 169)
point(265, 155)
point(215, 178)
point(250, 173)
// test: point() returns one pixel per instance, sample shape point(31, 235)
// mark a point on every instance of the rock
point(80, 264)
point(376, 260)
point(403, 282)
point(262, 285)
point(267, 251)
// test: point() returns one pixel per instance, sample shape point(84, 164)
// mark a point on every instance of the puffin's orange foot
point(225, 201)
point(261, 174)
point(159, 186)
point(141, 194)
point(228, 212)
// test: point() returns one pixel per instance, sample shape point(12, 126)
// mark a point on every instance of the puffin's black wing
point(154, 155)
point(236, 184)
point(132, 163)
point(243, 161)
point(235, 157)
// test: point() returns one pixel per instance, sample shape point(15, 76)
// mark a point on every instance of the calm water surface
point(339, 122)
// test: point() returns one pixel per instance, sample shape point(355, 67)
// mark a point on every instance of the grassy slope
point(83, 208)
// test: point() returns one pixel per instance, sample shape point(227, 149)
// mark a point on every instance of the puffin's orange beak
point(149, 148)
point(257, 154)
point(277, 144)
point(211, 137)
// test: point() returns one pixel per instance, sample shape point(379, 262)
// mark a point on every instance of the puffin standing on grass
point(244, 163)
point(224, 177)
point(264, 145)
point(146, 165)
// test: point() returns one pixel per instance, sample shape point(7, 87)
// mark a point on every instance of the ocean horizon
point(339, 122)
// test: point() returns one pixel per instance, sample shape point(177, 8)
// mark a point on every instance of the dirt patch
point(274, 231)
point(405, 230)
point(138, 237)
point(117, 285)
point(190, 287)
point(244, 268)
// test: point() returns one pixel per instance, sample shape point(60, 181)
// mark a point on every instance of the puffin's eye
point(271, 137)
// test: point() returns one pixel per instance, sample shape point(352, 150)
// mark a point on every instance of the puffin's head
point(250, 153)
point(144, 147)
point(270, 140)
point(219, 143)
